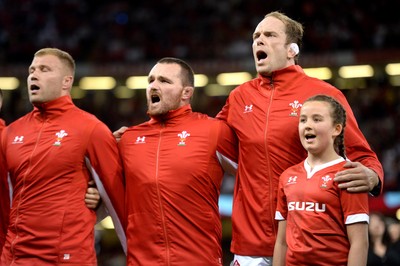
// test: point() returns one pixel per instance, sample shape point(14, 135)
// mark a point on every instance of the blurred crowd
point(384, 241)
point(128, 31)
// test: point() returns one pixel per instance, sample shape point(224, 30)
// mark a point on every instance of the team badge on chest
point(295, 105)
point(324, 181)
point(60, 136)
point(182, 138)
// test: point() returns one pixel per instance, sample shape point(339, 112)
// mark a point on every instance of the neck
point(319, 159)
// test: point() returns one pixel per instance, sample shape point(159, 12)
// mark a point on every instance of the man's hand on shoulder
point(357, 178)
point(118, 133)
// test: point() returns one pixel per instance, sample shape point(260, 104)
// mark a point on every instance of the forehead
point(271, 24)
point(316, 107)
point(48, 60)
point(166, 70)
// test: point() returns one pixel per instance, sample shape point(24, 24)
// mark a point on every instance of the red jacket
point(264, 115)
point(45, 153)
point(173, 179)
point(4, 198)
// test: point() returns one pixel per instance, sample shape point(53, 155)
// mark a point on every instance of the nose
point(258, 41)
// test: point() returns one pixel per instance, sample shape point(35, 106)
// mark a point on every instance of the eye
point(44, 69)
point(255, 36)
point(165, 81)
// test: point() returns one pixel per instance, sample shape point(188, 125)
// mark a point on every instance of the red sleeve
point(355, 206)
point(4, 198)
point(227, 142)
point(103, 154)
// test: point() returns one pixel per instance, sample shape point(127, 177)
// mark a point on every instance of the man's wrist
point(376, 190)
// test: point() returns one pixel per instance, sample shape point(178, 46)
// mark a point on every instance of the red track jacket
point(173, 178)
point(45, 153)
point(264, 115)
point(4, 198)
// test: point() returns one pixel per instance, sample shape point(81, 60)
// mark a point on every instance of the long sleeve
point(103, 161)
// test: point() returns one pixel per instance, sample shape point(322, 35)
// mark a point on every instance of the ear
point(187, 93)
point(67, 83)
point(293, 50)
point(337, 130)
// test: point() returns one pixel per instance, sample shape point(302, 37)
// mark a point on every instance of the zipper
point(163, 219)
point(271, 199)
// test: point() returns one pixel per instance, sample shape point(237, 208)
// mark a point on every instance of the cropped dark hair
point(187, 71)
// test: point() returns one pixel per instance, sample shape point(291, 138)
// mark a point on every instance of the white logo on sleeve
point(67, 256)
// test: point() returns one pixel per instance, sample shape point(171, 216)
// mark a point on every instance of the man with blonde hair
point(51, 154)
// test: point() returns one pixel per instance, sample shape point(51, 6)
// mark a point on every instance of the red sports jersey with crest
point(264, 115)
point(48, 154)
point(317, 212)
point(173, 177)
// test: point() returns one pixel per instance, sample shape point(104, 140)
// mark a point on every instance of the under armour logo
point(248, 108)
point(292, 179)
point(140, 140)
point(18, 139)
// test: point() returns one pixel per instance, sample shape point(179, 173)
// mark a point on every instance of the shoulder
point(79, 114)
point(141, 127)
point(294, 169)
point(245, 87)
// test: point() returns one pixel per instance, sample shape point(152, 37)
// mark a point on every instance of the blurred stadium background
point(118, 41)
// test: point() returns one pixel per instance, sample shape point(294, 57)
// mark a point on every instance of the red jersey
point(264, 115)
point(173, 178)
point(317, 212)
point(45, 154)
point(4, 198)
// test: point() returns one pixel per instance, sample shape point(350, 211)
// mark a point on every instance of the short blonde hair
point(62, 55)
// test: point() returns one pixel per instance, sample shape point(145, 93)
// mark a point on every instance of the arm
point(104, 164)
point(4, 198)
point(92, 196)
point(280, 248)
point(227, 148)
point(358, 238)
